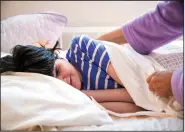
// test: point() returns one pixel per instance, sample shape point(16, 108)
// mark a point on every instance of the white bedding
point(27, 28)
point(30, 99)
point(133, 70)
point(134, 124)
point(174, 49)
point(119, 124)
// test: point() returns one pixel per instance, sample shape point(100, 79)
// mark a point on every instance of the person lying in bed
point(87, 67)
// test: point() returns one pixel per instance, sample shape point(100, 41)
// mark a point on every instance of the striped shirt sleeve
point(94, 49)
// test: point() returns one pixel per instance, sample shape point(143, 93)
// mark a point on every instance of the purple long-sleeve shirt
point(156, 28)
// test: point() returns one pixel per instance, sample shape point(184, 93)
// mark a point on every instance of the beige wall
point(82, 13)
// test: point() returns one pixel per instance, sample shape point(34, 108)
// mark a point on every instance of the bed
point(102, 120)
point(134, 124)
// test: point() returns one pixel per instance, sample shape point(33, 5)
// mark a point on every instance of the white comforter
point(30, 99)
point(133, 70)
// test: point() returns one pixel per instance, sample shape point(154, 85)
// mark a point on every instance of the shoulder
point(172, 9)
point(80, 41)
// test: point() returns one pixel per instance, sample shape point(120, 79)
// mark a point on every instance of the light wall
point(82, 13)
point(93, 14)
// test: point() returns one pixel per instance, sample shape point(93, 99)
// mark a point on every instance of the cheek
point(60, 77)
point(76, 82)
point(65, 72)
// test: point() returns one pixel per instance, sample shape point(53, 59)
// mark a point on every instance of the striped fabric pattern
point(89, 56)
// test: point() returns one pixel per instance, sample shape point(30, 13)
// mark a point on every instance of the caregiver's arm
point(177, 85)
point(151, 30)
point(109, 95)
point(115, 36)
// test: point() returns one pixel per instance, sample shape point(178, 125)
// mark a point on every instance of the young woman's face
point(66, 72)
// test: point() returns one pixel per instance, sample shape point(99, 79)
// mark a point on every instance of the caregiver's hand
point(44, 43)
point(160, 83)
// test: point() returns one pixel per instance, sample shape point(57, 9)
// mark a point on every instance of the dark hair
point(30, 58)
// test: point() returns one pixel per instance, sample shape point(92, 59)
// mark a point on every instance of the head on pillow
point(30, 58)
point(41, 60)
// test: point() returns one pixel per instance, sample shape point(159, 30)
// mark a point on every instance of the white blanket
point(133, 70)
point(30, 99)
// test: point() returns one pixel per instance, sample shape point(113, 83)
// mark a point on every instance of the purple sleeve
point(155, 28)
point(177, 83)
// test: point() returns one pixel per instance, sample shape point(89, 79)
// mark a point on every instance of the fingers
point(155, 88)
point(158, 89)
point(160, 83)
point(150, 77)
point(151, 87)
point(151, 80)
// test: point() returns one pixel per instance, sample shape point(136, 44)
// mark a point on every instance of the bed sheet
point(139, 123)
point(134, 124)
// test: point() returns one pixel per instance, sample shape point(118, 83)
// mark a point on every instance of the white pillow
point(3, 54)
point(27, 28)
point(30, 99)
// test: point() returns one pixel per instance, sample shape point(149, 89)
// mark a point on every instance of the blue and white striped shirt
point(89, 56)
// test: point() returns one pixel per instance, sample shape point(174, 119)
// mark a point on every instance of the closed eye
point(57, 71)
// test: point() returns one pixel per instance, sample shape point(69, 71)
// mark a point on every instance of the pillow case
point(3, 54)
point(28, 28)
point(31, 99)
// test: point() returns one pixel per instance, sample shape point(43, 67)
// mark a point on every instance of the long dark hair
point(30, 58)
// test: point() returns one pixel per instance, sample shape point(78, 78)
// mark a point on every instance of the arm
point(178, 85)
point(109, 95)
point(151, 30)
point(82, 42)
point(115, 36)
point(116, 100)
point(121, 107)
point(113, 74)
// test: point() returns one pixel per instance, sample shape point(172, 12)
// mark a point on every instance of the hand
point(44, 43)
point(160, 83)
